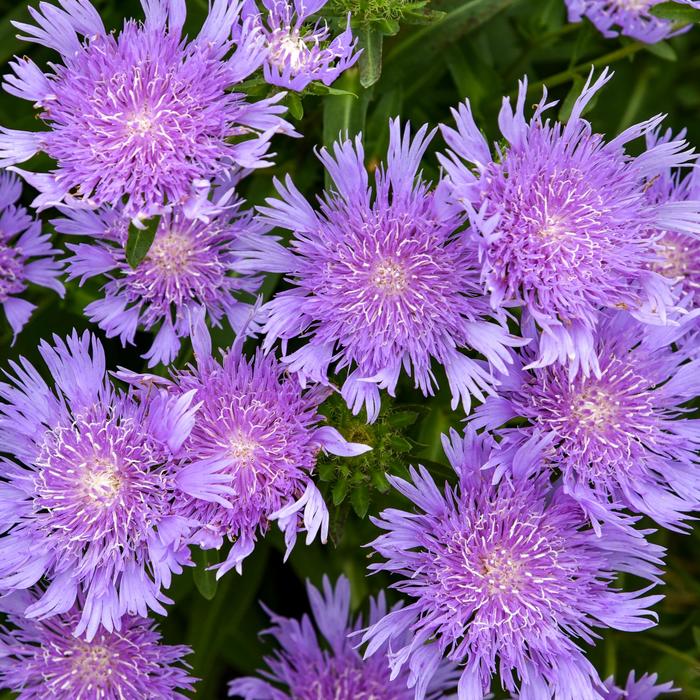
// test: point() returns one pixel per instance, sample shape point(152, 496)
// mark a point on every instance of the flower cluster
point(297, 53)
point(253, 450)
point(309, 669)
point(139, 116)
point(502, 578)
point(563, 220)
point(26, 255)
point(86, 497)
point(381, 281)
point(42, 659)
point(630, 18)
point(552, 278)
point(191, 266)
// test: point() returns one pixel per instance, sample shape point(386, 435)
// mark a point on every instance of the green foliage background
point(429, 59)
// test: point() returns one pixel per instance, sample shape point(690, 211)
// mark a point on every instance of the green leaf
point(294, 105)
point(427, 44)
point(318, 88)
point(205, 580)
point(676, 13)
point(399, 443)
point(423, 17)
point(359, 499)
point(663, 50)
point(402, 419)
point(340, 490)
point(140, 240)
point(389, 27)
point(370, 40)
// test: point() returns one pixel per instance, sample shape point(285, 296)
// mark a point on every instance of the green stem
point(571, 73)
point(478, 11)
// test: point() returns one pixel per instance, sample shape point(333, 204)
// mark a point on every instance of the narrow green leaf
point(205, 580)
point(399, 443)
point(340, 490)
point(140, 240)
point(423, 17)
point(663, 50)
point(402, 419)
point(389, 27)
point(294, 105)
point(359, 499)
point(370, 40)
point(427, 43)
point(676, 12)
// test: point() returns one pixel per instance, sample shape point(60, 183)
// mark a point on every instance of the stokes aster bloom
point(254, 447)
point(619, 437)
point(564, 220)
point(309, 668)
point(502, 578)
point(628, 17)
point(298, 53)
point(191, 266)
point(86, 498)
point(678, 254)
point(380, 281)
point(138, 116)
point(26, 255)
point(44, 661)
point(643, 689)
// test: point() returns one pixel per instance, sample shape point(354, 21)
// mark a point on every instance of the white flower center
point(288, 50)
point(634, 5)
point(502, 572)
point(242, 449)
point(390, 277)
point(140, 124)
point(171, 253)
point(101, 482)
point(92, 662)
point(594, 407)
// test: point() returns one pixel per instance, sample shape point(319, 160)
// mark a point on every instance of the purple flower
point(86, 496)
point(26, 255)
point(254, 447)
point(380, 281)
point(139, 115)
point(296, 52)
point(503, 578)
point(617, 437)
point(627, 17)
point(563, 220)
point(191, 266)
point(678, 254)
point(643, 689)
point(43, 660)
point(309, 667)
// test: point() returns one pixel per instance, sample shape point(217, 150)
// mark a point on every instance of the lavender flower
point(26, 255)
point(86, 498)
point(564, 220)
point(42, 660)
point(191, 266)
point(616, 437)
point(643, 689)
point(503, 578)
point(627, 17)
point(255, 443)
point(678, 254)
point(140, 115)
point(380, 282)
point(298, 53)
point(309, 668)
